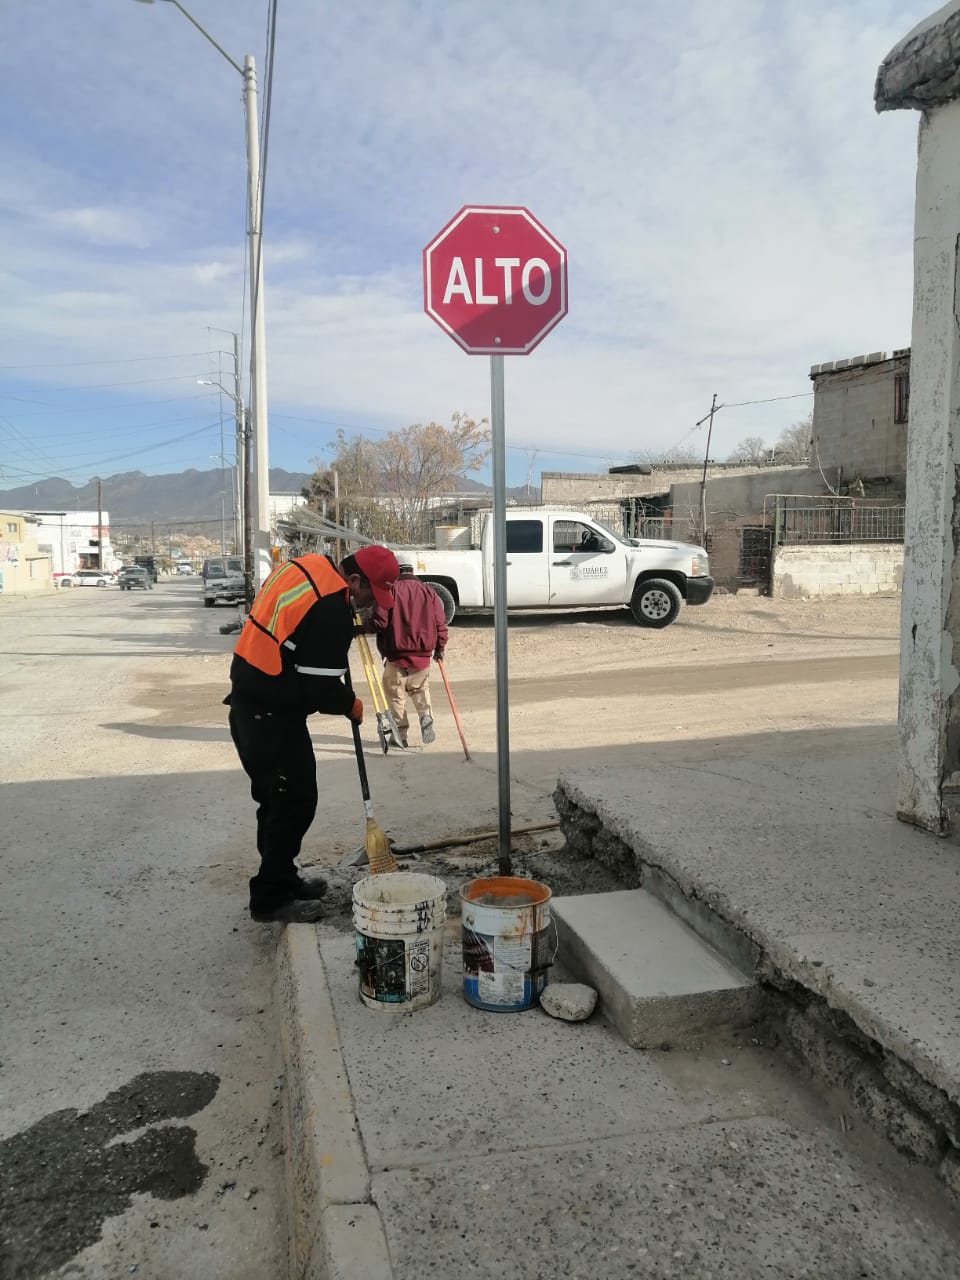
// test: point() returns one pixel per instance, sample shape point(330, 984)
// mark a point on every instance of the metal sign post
point(497, 431)
point(495, 280)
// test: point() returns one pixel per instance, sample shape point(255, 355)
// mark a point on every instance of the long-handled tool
point(376, 842)
point(453, 708)
point(386, 729)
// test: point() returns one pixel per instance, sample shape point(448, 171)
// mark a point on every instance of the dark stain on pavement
point(65, 1175)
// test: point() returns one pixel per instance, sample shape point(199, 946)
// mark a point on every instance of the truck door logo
point(579, 572)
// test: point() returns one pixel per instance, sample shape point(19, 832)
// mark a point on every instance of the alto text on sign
point(495, 280)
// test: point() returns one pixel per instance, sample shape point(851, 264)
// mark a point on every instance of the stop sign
point(495, 280)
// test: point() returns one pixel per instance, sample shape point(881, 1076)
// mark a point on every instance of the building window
point(11, 526)
point(901, 397)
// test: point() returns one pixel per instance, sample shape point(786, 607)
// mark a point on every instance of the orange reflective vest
point(281, 605)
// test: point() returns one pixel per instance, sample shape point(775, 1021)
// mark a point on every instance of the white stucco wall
point(930, 619)
point(857, 568)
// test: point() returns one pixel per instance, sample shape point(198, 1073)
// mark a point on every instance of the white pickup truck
point(564, 559)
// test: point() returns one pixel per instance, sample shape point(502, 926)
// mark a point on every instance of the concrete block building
point(861, 410)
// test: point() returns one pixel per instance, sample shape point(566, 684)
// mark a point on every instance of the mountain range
point(185, 496)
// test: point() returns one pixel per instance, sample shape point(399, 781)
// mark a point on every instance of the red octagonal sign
point(495, 280)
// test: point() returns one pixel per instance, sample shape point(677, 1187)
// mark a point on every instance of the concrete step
point(658, 982)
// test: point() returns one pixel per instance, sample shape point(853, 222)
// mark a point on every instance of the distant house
point(861, 411)
point(73, 540)
point(23, 566)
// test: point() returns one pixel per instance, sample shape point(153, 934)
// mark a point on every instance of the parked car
point(220, 567)
point(228, 590)
point(91, 578)
point(150, 564)
point(134, 576)
point(185, 569)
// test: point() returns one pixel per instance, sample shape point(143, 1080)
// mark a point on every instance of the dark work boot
point(294, 912)
point(426, 729)
point(309, 889)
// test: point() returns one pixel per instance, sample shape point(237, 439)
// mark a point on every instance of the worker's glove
point(438, 654)
point(356, 712)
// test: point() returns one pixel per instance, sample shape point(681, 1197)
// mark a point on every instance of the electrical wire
point(800, 395)
point(70, 364)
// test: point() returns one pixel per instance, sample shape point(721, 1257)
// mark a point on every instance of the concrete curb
point(335, 1229)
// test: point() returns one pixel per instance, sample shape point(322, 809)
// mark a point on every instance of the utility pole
point(336, 511)
point(153, 539)
point(249, 577)
point(238, 500)
point(706, 459)
point(99, 524)
point(260, 496)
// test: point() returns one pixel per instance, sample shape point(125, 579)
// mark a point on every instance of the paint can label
point(418, 963)
point(382, 965)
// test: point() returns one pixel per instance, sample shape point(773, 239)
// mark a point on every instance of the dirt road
point(134, 987)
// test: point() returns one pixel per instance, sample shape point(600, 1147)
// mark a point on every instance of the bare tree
point(751, 449)
point(793, 443)
point(418, 463)
point(681, 455)
point(388, 485)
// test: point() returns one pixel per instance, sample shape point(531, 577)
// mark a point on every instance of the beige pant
point(397, 684)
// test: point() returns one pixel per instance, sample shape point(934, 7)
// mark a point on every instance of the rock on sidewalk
point(571, 1001)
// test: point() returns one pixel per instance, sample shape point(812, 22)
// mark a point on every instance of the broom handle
point(358, 748)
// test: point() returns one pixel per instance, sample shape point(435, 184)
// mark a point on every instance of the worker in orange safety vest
point(290, 661)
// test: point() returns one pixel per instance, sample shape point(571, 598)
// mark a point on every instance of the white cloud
point(732, 207)
point(100, 224)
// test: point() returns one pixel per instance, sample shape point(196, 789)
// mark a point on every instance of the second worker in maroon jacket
point(409, 635)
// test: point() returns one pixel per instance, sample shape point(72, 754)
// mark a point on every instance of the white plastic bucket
point(398, 918)
point(506, 945)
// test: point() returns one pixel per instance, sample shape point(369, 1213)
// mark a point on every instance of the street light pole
point(258, 347)
point(245, 463)
point(259, 499)
point(238, 500)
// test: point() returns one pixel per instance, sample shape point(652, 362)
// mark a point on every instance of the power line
point(106, 407)
point(800, 395)
point(134, 382)
point(70, 364)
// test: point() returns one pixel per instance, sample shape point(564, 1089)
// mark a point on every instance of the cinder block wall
point(858, 568)
point(853, 418)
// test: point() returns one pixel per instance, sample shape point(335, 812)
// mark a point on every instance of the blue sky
point(732, 207)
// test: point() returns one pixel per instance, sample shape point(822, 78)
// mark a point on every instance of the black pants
point(277, 756)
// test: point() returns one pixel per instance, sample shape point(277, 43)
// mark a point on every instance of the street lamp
point(243, 459)
point(258, 505)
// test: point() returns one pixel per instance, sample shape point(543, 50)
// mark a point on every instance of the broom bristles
point(379, 855)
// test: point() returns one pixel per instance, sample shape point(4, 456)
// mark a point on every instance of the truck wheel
point(208, 604)
point(446, 599)
point(655, 602)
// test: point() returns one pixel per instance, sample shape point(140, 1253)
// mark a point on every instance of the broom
point(376, 843)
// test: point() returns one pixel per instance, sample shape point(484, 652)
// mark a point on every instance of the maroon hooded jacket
point(411, 632)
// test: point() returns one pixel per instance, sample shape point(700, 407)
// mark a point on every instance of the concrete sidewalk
point(801, 862)
point(456, 1143)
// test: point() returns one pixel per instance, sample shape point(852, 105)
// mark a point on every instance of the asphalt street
point(141, 1128)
